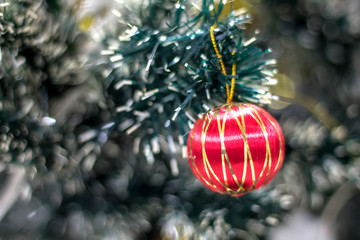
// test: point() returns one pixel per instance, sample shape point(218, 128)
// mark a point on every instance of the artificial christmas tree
point(97, 104)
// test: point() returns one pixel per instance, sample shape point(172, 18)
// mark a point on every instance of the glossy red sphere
point(236, 148)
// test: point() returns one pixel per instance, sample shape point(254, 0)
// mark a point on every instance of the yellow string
point(232, 80)
point(229, 93)
point(216, 49)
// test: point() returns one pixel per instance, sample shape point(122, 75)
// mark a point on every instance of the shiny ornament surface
point(236, 148)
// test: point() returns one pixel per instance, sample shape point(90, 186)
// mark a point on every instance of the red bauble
point(236, 148)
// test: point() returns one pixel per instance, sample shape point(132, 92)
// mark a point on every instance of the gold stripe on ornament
point(280, 143)
point(223, 150)
point(206, 164)
point(268, 152)
point(246, 147)
point(206, 160)
point(192, 156)
point(193, 160)
point(224, 155)
point(268, 156)
point(249, 152)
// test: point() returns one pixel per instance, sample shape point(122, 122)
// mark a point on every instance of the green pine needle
point(165, 72)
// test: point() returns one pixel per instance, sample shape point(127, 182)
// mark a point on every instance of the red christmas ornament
point(236, 148)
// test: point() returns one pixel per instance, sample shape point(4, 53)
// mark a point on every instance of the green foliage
point(164, 71)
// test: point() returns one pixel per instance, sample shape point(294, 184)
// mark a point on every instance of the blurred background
point(65, 173)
